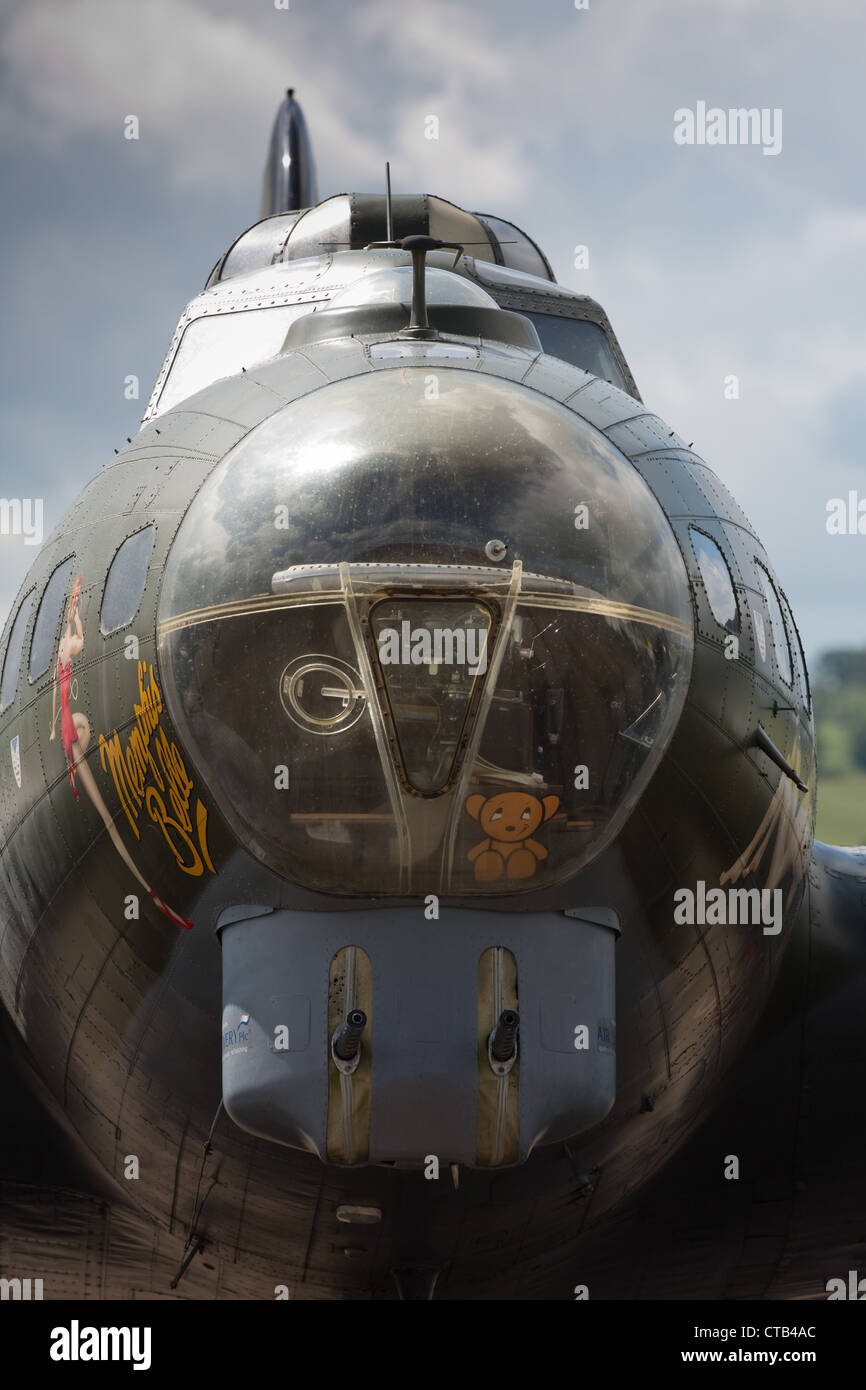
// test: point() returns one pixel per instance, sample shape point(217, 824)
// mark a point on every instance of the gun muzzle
point(503, 1043)
point(347, 1039)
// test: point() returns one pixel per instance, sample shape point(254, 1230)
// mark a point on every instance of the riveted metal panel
point(643, 434)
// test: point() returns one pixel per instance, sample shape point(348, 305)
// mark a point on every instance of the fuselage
point(235, 721)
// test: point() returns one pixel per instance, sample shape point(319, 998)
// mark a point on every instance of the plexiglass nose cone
point(377, 705)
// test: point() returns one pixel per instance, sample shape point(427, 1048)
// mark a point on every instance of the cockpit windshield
point(222, 344)
point(580, 342)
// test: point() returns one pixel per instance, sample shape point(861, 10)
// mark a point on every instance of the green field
point(842, 809)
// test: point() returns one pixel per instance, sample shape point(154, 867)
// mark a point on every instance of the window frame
point(34, 680)
point(759, 564)
point(613, 365)
point(738, 632)
point(802, 669)
point(158, 404)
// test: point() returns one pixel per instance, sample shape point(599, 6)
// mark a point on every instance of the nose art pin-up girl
point(75, 735)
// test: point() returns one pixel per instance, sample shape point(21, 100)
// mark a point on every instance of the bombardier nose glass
point(432, 654)
point(376, 708)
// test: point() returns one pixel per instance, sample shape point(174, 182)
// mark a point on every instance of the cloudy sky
point(711, 260)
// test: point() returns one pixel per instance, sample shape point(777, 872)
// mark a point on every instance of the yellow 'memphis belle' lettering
point(149, 771)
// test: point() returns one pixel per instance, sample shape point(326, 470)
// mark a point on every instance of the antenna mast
point(389, 225)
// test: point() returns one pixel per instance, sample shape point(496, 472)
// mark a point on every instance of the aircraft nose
point(384, 609)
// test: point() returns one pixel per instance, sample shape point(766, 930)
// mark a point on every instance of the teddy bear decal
point(509, 819)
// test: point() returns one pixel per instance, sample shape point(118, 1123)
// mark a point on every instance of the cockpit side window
point(127, 576)
point(721, 595)
point(12, 661)
point(777, 623)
